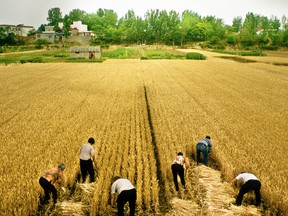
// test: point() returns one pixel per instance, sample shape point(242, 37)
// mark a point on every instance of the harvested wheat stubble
point(183, 207)
point(71, 208)
point(218, 195)
point(76, 204)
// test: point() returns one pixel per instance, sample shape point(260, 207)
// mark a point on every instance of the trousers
point(254, 185)
point(86, 167)
point(48, 188)
point(124, 197)
point(201, 148)
point(178, 169)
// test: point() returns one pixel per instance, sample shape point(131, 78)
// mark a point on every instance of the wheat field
point(141, 113)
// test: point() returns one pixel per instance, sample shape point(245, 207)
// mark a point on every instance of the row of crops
point(141, 113)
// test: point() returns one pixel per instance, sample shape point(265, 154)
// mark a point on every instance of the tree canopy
point(171, 28)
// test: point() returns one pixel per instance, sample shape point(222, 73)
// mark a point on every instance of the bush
point(40, 43)
point(197, 56)
point(37, 60)
point(32, 60)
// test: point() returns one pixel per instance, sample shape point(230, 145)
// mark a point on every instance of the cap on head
point(61, 166)
point(208, 137)
point(180, 153)
point(91, 140)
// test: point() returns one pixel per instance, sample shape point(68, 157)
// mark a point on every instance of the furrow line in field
point(163, 200)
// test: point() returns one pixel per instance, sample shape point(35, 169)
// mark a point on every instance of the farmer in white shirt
point(249, 182)
point(87, 157)
point(126, 193)
point(178, 169)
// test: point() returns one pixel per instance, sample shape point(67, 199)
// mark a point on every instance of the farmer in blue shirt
point(204, 146)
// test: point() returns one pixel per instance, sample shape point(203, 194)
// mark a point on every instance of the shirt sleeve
point(209, 145)
point(92, 151)
point(239, 178)
point(113, 188)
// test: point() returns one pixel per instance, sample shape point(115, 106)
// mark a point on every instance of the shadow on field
point(244, 60)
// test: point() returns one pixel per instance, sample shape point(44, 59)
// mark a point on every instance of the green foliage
point(195, 56)
point(47, 56)
point(54, 16)
point(85, 60)
point(40, 43)
point(161, 54)
point(36, 59)
point(121, 53)
point(171, 28)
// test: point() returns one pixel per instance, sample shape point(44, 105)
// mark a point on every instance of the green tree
point(189, 19)
point(237, 23)
point(130, 29)
point(285, 31)
point(54, 16)
point(102, 23)
point(153, 25)
point(274, 23)
point(199, 32)
point(41, 28)
point(248, 37)
point(232, 39)
point(215, 29)
point(173, 34)
point(67, 21)
point(76, 15)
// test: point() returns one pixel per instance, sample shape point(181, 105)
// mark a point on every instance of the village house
point(49, 34)
point(19, 30)
point(86, 52)
point(78, 33)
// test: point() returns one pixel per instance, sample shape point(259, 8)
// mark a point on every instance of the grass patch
point(63, 55)
point(121, 53)
point(6, 49)
point(48, 56)
point(161, 54)
point(85, 60)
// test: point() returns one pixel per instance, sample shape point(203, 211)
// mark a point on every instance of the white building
point(78, 25)
point(19, 30)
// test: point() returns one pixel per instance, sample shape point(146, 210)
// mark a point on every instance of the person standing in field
point(178, 169)
point(204, 146)
point(248, 182)
point(51, 177)
point(87, 157)
point(126, 193)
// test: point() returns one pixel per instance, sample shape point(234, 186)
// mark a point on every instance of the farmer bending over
point(204, 146)
point(249, 182)
point(178, 169)
point(126, 193)
point(54, 175)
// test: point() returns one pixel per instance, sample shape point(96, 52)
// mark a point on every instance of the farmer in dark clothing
point(178, 169)
point(126, 193)
point(87, 157)
point(249, 182)
point(54, 175)
point(204, 146)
